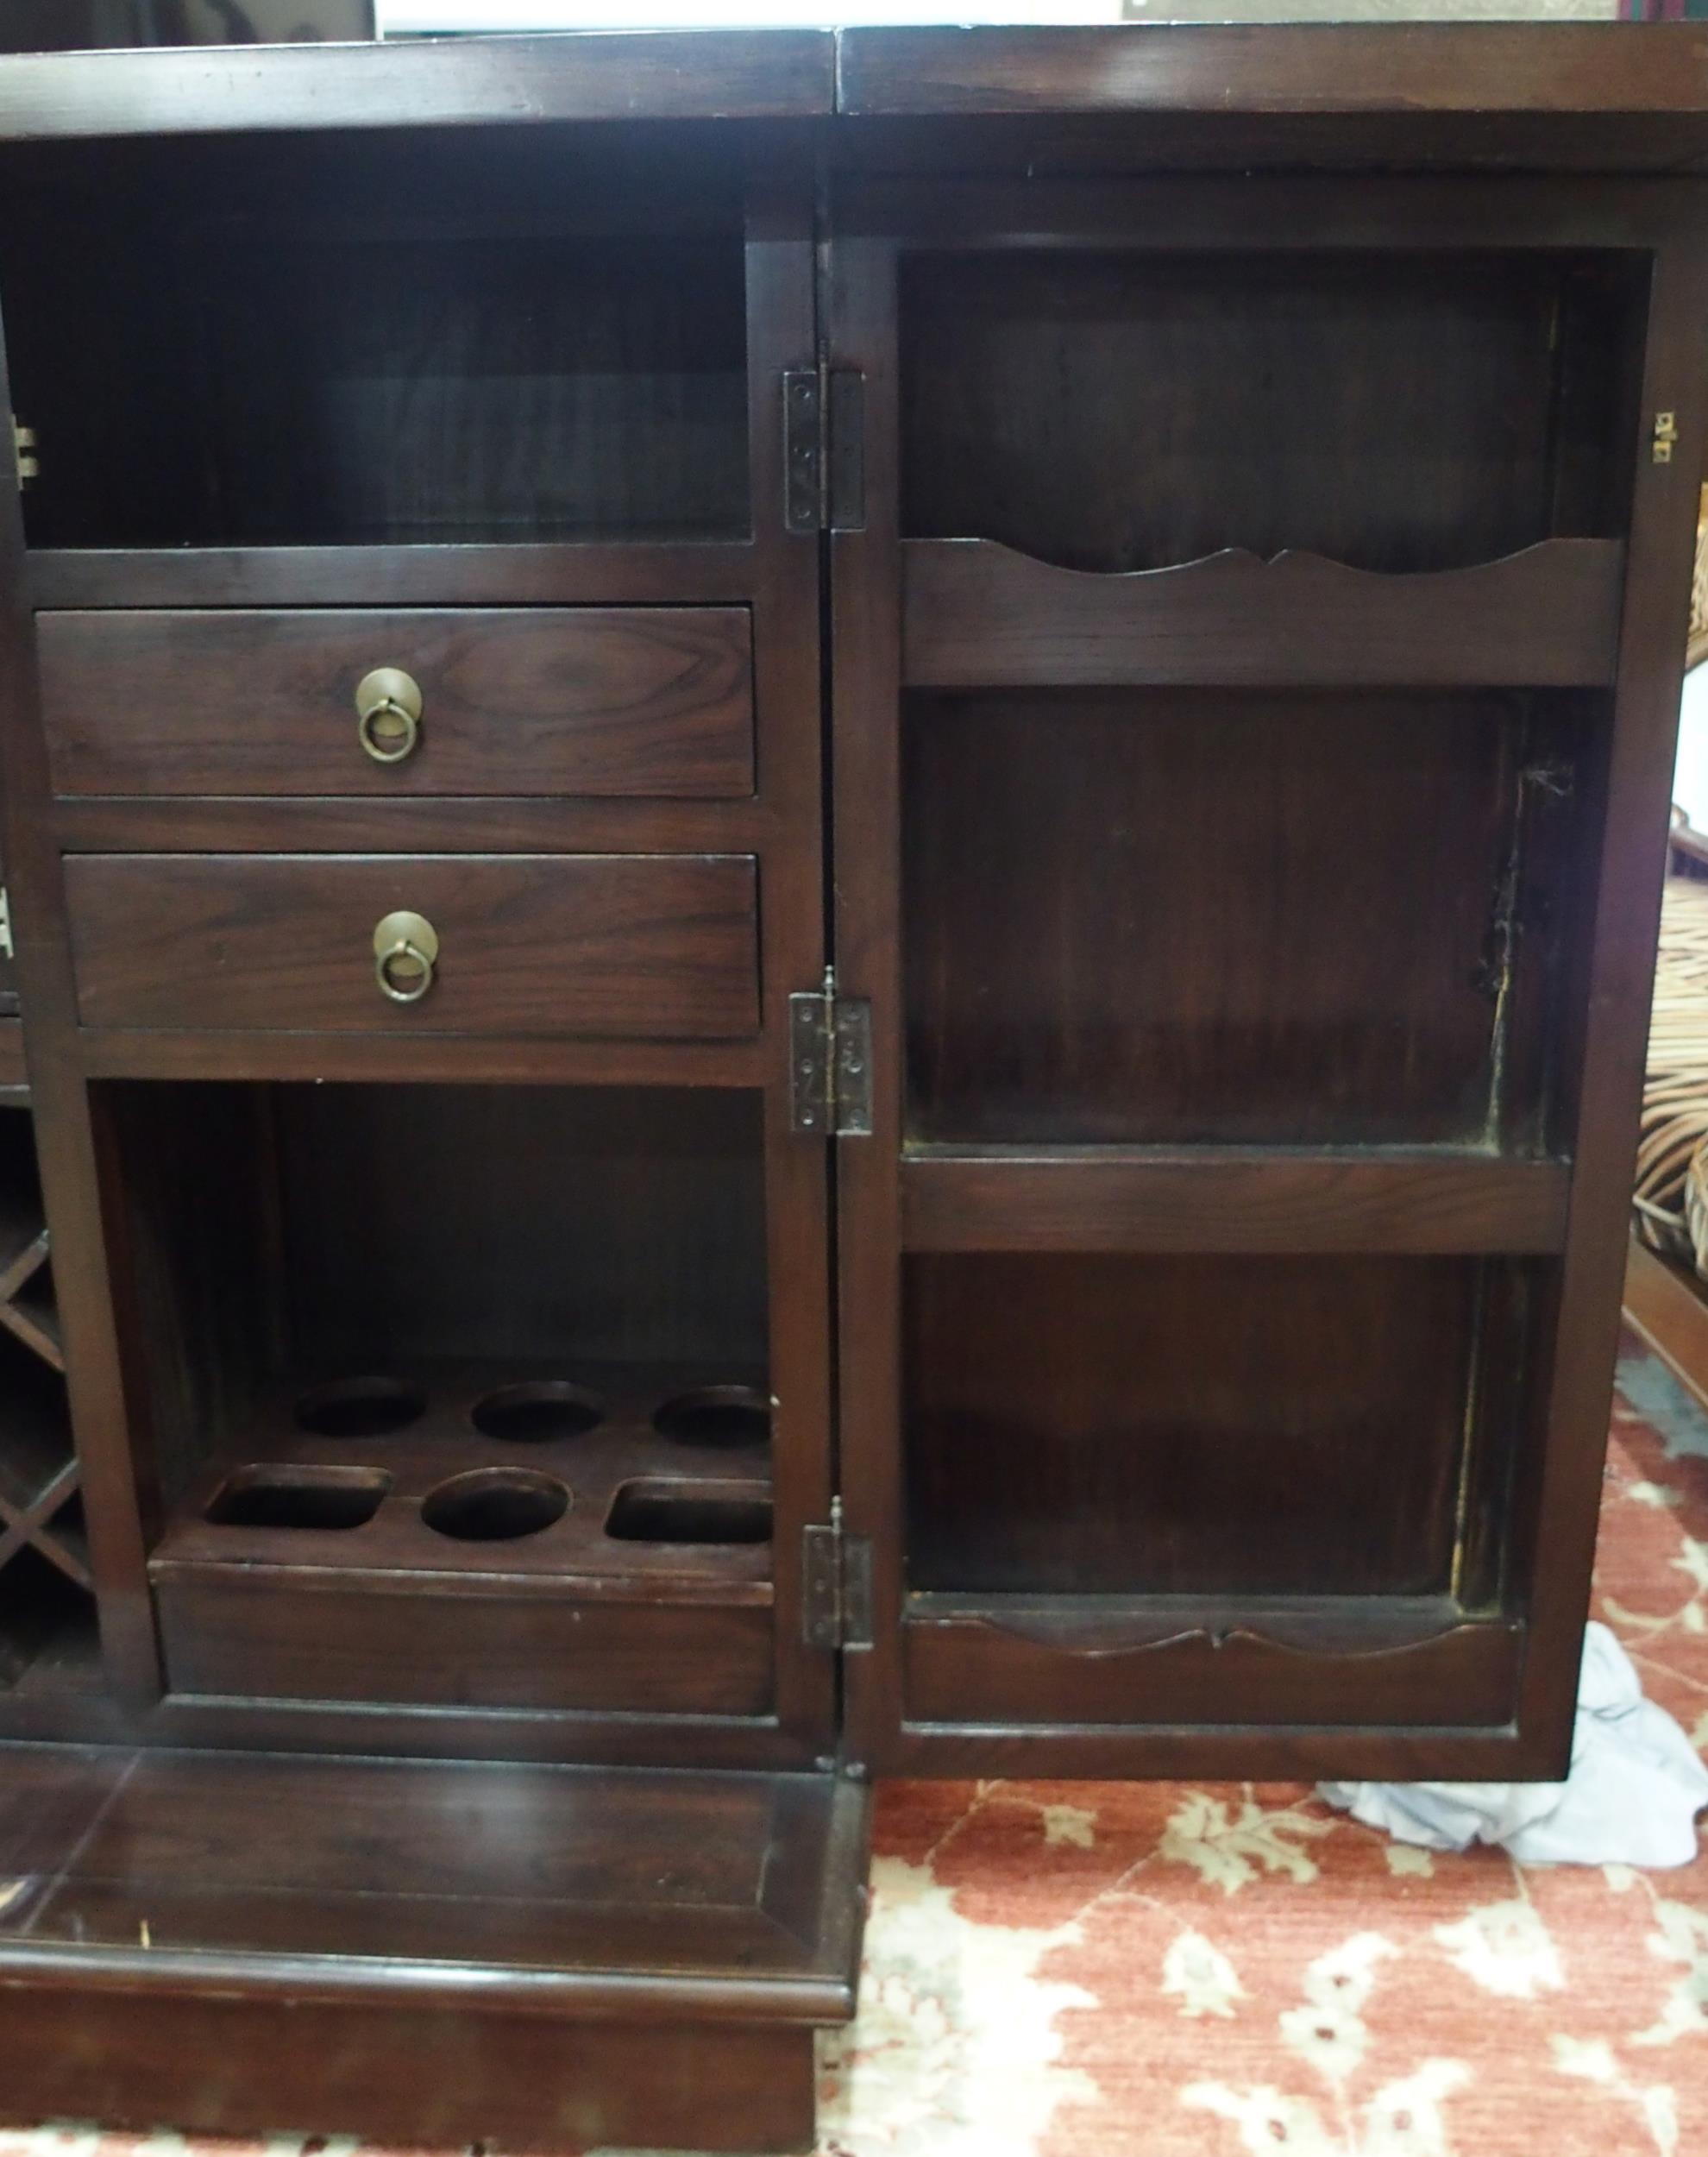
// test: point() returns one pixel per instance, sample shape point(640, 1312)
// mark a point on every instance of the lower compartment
point(423, 1955)
point(283, 1638)
point(467, 1537)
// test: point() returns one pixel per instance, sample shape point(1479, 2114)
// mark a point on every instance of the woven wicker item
point(1671, 1175)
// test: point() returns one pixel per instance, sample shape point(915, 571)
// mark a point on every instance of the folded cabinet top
point(1594, 95)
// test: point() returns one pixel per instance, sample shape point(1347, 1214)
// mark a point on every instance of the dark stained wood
point(621, 573)
point(989, 1669)
point(1095, 402)
point(131, 2062)
point(250, 1633)
point(1436, 68)
point(311, 1877)
point(534, 944)
point(635, 1958)
point(1128, 1439)
point(978, 614)
point(130, 1652)
point(129, 1053)
point(782, 336)
point(1256, 949)
point(1617, 971)
point(442, 824)
point(498, 82)
point(1211, 1199)
point(1172, 916)
point(537, 701)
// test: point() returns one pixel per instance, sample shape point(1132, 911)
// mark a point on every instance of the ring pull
point(405, 957)
point(388, 715)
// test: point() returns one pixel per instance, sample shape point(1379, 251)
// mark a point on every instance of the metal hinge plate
point(24, 448)
point(1664, 436)
point(6, 950)
point(824, 450)
point(830, 1063)
point(836, 1585)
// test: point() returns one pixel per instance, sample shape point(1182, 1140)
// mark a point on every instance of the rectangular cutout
point(688, 1513)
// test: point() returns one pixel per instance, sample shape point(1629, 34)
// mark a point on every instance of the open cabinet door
point(1255, 663)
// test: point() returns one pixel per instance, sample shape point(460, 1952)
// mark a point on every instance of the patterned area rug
point(1172, 1970)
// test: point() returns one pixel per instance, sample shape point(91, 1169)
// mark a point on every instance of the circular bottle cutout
point(538, 1409)
point(360, 1408)
point(716, 1416)
point(495, 1505)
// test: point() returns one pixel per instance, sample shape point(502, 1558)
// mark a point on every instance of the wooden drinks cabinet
point(835, 861)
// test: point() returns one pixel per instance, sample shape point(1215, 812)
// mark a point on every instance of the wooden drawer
point(318, 1637)
point(658, 944)
point(515, 700)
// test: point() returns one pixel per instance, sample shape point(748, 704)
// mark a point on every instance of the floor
point(1166, 1970)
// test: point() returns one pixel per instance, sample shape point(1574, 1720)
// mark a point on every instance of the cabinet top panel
point(1595, 95)
point(447, 82)
point(1299, 67)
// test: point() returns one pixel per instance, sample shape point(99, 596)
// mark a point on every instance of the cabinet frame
point(1070, 1198)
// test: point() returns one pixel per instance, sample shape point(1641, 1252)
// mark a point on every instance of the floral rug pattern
point(1170, 1969)
point(1175, 1970)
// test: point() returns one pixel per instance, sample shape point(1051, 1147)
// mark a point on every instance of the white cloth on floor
point(1631, 1794)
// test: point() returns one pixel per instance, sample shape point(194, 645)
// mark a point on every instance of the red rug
point(1172, 1970)
point(1175, 1970)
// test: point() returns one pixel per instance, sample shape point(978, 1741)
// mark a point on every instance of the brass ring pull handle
point(405, 957)
point(388, 715)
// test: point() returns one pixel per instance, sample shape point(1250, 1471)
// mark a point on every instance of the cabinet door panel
point(1319, 892)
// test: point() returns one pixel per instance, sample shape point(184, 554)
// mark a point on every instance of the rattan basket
point(1671, 1197)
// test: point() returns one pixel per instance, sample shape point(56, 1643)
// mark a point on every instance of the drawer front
point(263, 1638)
point(655, 944)
point(513, 701)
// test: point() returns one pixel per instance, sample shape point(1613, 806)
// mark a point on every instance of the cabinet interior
point(470, 1297)
point(430, 340)
point(1223, 1427)
point(1167, 916)
point(1405, 411)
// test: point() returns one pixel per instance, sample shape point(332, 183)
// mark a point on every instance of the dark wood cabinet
point(836, 862)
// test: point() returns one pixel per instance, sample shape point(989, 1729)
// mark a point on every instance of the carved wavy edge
point(1267, 1638)
point(1297, 563)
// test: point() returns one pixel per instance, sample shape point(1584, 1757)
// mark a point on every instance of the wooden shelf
point(977, 615)
point(426, 1951)
point(615, 572)
point(1229, 1199)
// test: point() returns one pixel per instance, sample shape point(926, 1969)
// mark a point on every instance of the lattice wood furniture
point(836, 862)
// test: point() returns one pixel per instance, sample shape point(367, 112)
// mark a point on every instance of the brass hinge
point(1664, 437)
point(6, 950)
point(830, 1063)
point(23, 447)
point(836, 1585)
point(823, 450)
